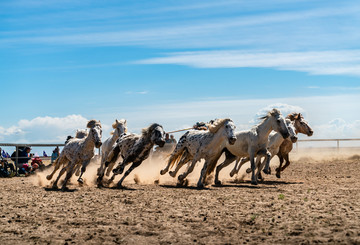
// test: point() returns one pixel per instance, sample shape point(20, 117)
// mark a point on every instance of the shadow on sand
point(184, 187)
point(59, 190)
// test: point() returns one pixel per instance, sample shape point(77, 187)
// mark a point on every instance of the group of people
point(20, 165)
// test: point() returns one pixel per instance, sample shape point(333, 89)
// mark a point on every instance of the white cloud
point(44, 129)
point(339, 128)
point(316, 62)
point(285, 109)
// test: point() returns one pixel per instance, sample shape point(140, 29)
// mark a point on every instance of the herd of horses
point(274, 135)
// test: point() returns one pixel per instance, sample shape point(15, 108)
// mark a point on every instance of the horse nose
point(98, 144)
point(310, 133)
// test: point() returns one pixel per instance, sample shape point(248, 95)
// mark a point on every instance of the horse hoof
point(278, 175)
point(218, 182)
point(266, 171)
point(180, 178)
point(248, 170)
point(162, 172)
point(54, 187)
point(48, 177)
point(64, 189)
point(81, 181)
point(172, 174)
point(200, 186)
point(254, 182)
point(119, 186)
point(232, 173)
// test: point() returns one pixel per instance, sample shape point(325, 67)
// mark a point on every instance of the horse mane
point(146, 132)
point(92, 123)
point(273, 112)
point(81, 133)
point(217, 124)
point(294, 116)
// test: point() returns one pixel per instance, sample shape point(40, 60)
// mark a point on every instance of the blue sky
point(175, 63)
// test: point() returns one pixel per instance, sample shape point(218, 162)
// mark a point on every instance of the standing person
point(172, 139)
point(167, 138)
point(55, 154)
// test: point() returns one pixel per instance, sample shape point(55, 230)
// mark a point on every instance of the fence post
point(16, 158)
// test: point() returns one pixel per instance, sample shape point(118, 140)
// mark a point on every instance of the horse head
point(300, 124)
point(120, 127)
point(278, 122)
point(292, 131)
point(155, 133)
point(226, 124)
point(95, 132)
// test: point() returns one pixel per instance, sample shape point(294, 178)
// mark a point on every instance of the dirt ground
point(315, 201)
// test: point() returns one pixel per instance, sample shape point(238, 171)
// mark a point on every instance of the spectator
point(172, 139)
point(25, 170)
point(23, 155)
point(167, 138)
point(55, 154)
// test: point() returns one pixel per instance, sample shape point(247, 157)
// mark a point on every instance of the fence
point(25, 145)
point(324, 140)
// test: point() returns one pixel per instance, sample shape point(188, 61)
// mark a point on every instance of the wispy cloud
point(318, 62)
point(207, 31)
point(137, 92)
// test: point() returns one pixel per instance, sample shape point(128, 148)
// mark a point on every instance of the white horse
point(254, 142)
point(274, 142)
point(79, 152)
point(196, 145)
point(120, 129)
point(134, 149)
point(80, 134)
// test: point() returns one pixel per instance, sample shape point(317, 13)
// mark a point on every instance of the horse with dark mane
point(134, 149)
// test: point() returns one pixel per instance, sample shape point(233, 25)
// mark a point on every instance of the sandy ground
point(315, 201)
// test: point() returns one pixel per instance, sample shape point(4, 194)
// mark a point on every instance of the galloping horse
point(133, 148)
point(79, 152)
point(120, 129)
point(195, 145)
point(254, 142)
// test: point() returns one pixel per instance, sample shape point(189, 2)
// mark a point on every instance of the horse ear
point(117, 122)
point(299, 115)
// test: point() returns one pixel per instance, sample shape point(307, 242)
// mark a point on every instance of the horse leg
point(134, 165)
point(286, 156)
point(110, 168)
point(83, 169)
point(171, 160)
point(200, 183)
point(267, 163)
point(188, 171)
point(62, 171)
point(69, 172)
point(58, 162)
point(228, 160)
point(111, 158)
point(253, 167)
point(278, 170)
point(182, 162)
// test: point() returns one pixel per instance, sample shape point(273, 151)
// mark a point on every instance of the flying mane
point(147, 131)
point(273, 112)
point(217, 124)
point(92, 123)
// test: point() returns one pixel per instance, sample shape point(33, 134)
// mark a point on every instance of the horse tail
point(175, 157)
point(178, 152)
